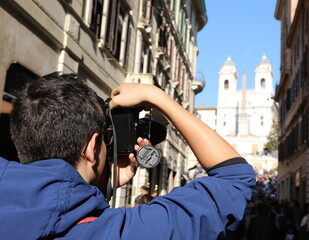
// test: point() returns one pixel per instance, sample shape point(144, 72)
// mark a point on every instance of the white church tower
point(227, 81)
point(264, 75)
point(227, 90)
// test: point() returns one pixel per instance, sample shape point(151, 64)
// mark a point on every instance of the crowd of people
point(269, 219)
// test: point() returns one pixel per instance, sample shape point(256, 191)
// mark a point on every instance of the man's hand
point(127, 165)
point(129, 95)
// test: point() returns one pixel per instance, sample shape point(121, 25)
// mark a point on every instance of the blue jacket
point(49, 197)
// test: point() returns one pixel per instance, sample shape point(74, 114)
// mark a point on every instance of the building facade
point(292, 94)
point(106, 42)
point(245, 117)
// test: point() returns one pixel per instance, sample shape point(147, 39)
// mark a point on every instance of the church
point(244, 117)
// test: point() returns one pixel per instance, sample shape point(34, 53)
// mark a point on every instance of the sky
point(245, 30)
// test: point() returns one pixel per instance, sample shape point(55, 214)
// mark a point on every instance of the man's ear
point(91, 149)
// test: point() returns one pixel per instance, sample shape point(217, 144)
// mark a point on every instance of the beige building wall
point(292, 94)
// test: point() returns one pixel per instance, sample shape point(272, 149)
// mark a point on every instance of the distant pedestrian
point(145, 199)
point(279, 219)
point(143, 191)
point(290, 235)
point(261, 227)
point(304, 226)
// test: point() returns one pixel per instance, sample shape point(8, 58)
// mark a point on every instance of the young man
point(57, 126)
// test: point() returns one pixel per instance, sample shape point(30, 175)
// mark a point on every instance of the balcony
point(145, 27)
point(198, 83)
point(163, 60)
point(146, 78)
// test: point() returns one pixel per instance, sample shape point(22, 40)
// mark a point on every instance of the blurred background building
point(292, 94)
point(106, 42)
point(245, 117)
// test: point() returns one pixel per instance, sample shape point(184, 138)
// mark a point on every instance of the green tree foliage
point(273, 138)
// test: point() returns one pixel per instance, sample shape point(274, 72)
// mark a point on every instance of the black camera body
point(128, 127)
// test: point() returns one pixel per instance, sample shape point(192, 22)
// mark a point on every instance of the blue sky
point(243, 30)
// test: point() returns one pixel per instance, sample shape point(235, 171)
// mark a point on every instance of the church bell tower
point(227, 81)
point(264, 75)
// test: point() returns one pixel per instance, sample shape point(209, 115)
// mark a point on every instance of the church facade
point(244, 117)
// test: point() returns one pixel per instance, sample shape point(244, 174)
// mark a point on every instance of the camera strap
point(112, 175)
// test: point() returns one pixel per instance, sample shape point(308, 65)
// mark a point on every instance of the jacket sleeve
point(202, 209)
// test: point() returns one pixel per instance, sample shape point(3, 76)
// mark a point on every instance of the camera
point(127, 126)
point(122, 127)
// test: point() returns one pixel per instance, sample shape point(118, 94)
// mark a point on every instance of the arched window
point(263, 82)
point(226, 84)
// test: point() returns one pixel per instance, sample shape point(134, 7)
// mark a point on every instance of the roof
point(264, 60)
point(228, 62)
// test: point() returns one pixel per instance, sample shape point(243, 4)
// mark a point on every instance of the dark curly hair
point(53, 117)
